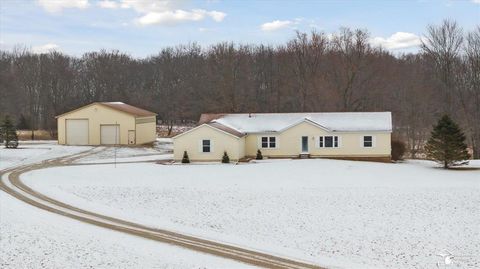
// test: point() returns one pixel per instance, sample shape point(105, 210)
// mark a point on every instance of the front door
point(304, 144)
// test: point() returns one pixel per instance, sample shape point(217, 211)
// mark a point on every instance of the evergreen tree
point(225, 158)
point(259, 155)
point(9, 133)
point(185, 158)
point(447, 143)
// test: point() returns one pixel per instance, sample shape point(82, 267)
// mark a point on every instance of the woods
point(311, 72)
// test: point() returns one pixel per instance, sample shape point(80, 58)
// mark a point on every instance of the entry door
point(76, 131)
point(109, 134)
point(131, 137)
point(304, 144)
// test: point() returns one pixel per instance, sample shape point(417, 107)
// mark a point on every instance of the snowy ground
point(33, 238)
point(336, 213)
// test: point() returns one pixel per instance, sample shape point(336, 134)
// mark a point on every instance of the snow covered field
point(33, 238)
point(336, 213)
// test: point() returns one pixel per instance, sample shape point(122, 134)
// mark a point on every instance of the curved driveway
point(12, 184)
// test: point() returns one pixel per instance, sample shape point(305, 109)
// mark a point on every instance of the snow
point(340, 214)
point(35, 151)
point(161, 150)
point(339, 121)
point(34, 238)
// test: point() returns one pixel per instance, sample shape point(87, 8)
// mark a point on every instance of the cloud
point(476, 1)
point(45, 48)
point(399, 40)
point(275, 25)
point(55, 6)
point(108, 4)
point(178, 16)
point(162, 12)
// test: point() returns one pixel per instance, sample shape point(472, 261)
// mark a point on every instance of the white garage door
point(109, 134)
point(77, 132)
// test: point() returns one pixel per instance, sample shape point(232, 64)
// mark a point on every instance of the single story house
point(345, 135)
point(107, 123)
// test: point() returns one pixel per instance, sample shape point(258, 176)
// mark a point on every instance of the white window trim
point(339, 144)
point(200, 146)
point(362, 140)
point(277, 142)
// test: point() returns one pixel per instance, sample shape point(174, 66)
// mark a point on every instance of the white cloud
point(55, 6)
point(399, 40)
point(476, 1)
point(163, 12)
point(275, 25)
point(108, 4)
point(171, 17)
point(45, 48)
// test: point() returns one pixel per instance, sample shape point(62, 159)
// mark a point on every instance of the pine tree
point(185, 158)
point(9, 133)
point(447, 144)
point(259, 155)
point(225, 158)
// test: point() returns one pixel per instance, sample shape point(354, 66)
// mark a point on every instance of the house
point(349, 135)
point(106, 123)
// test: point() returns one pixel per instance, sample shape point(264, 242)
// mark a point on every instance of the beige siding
point(98, 115)
point(221, 141)
point(146, 132)
point(289, 143)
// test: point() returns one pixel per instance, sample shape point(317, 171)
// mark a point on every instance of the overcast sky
point(143, 27)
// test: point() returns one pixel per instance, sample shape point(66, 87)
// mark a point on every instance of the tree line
point(311, 72)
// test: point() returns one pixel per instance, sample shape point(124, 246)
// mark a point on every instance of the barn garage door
point(77, 132)
point(109, 134)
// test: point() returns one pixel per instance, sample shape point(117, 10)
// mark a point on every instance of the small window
point(264, 142)
point(367, 141)
point(335, 141)
point(272, 143)
point(205, 145)
point(320, 139)
point(269, 142)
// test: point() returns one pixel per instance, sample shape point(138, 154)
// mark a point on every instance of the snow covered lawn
point(34, 238)
point(336, 213)
point(35, 151)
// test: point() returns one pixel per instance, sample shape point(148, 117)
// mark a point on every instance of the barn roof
point(119, 106)
point(133, 110)
point(277, 122)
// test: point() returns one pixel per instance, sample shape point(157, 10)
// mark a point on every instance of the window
point(328, 141)
point(269, 142)
point(367, 141)
point(205, 145)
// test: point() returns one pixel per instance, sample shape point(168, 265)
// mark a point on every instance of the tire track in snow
point(11, 183)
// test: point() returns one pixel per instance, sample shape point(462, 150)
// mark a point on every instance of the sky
point(143, 27)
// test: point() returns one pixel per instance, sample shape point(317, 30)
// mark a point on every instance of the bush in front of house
point(259, 155)
point(185, 158)
point(398, 150)
point(447, 144)
point(225, 158)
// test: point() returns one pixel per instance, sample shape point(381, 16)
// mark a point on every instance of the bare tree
point(442, 45)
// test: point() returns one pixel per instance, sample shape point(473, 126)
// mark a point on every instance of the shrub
point(259, 155)
point(185, 158)
point(225, 158)
point(398, 150)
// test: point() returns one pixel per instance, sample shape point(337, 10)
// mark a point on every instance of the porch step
point(304, 155)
